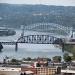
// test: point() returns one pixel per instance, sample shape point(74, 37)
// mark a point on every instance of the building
point(40, 68)
point(67, 72)
point(9, 71)
point(46, 71)
point(29, 70)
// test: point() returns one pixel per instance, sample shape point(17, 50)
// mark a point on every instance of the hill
point(14, 15)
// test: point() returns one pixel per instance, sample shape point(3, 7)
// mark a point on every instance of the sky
point(46, 2)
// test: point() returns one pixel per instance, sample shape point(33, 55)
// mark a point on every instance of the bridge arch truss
point(48, 26)
point(37, 39)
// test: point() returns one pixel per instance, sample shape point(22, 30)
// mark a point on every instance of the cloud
point(47, 2)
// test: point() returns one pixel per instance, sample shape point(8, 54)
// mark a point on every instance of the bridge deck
point(8, 43)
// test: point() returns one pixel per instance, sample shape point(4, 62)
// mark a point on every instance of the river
point(28, 50)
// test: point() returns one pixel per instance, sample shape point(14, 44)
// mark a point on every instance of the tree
point(57, 58)
point(1, 46)
point(14, 60)
point(58, 41)
point(67, 58)
point(4, 61)
point(28, 59)
point(48, 59)
point(38, 65)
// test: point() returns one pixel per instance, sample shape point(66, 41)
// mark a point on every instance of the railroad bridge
point(32, 39)
point(37, 39)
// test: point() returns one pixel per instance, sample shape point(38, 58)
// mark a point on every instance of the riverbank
point(71, 49)
point(7, 32)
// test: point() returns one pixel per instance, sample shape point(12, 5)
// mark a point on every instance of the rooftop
point(68, 71)
point(9, 69)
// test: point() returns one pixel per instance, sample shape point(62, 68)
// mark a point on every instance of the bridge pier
point(16, 46)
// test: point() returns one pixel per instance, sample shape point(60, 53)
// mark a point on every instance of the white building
point(67, 72)
point(9, 71)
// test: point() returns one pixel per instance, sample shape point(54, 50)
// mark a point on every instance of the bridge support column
point(16, 46)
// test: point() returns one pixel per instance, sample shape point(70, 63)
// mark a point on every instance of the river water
point(28, 50)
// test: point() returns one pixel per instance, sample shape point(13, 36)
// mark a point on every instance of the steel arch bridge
point(48, 27)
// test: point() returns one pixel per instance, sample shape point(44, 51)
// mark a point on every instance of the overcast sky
point(47, 2)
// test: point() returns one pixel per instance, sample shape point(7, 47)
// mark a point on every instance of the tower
point(22, 28)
